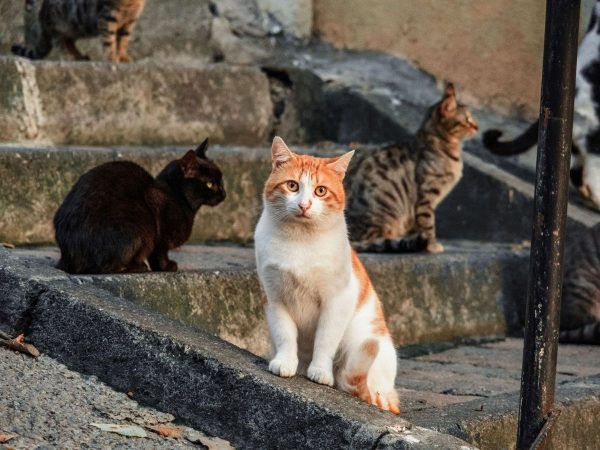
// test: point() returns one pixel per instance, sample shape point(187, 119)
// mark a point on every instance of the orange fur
point(319, 171)
point(370, 348)
point(379, 325)
point(365, 282)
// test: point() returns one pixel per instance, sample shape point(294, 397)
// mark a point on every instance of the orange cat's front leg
point(284, 334)
point(336, 312)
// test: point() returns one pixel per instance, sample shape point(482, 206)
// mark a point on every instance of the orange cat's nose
point(305, 206)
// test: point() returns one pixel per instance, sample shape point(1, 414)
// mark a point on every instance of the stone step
point(489, 204)
point(453, 395)
point(99, 103)
point(472, 289)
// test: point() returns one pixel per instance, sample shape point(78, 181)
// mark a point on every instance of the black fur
point(117, 216)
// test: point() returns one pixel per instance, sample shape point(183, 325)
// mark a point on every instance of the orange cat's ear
point(280, 153)
point(340, 165)
point(448, 104)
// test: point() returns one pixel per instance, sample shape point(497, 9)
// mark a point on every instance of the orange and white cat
point(325, 318)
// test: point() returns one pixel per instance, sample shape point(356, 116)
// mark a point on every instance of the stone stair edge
point(56, 311)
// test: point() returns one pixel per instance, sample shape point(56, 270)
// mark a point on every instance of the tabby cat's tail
point(520, 144)
point(32, 53)
point(586, 334)
point(408, 245)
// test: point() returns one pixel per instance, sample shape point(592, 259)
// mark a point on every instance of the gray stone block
point(99, 103)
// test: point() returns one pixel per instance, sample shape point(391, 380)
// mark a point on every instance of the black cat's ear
point(201, 150)
point(189, 163)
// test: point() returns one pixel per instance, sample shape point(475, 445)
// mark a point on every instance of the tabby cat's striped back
point(580, 309)
point(393, 191)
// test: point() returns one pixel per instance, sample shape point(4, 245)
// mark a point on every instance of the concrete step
point(489, 204)
point(473, 289)
point(453, 395)
point(207, 383)
point(99, 103)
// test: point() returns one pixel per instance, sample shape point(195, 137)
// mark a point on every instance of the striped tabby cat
point(580, 310)
point(393, 191)
point(65, 21)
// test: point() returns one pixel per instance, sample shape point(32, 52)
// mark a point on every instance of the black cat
point(117, 216)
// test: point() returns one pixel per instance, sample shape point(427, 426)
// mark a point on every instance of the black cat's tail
point(585, 334)
point(408, 245)
point(520, 144)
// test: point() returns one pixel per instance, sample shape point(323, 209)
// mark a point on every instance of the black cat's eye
point(292, 186)
point(209, 184)
point(320, 191)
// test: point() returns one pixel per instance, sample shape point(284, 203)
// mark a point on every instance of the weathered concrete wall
point(492, 49)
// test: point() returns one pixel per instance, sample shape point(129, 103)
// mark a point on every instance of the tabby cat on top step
point(117, 216)
point(325, 318)
point(393, 191)
point(585, 159)
point(580, 309)
point(65, 21)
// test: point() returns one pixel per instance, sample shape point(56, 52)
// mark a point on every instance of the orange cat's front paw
point(320, 375)
point(283, 367)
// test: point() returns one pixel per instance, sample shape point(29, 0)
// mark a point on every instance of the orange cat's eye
point(292, 185)
point(320, 191)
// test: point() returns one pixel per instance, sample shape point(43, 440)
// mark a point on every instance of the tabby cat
point(65, 21)
point(580, 310)
point(393, 191)
point(325, 318)
point(585, 161)
point(117, 216)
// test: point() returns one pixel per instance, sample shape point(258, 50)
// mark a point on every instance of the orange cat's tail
point(355, 382)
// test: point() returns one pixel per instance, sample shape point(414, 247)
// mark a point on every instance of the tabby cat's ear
point(340, 164)
point(280, 153)
point(201, 150)
point(448, 104)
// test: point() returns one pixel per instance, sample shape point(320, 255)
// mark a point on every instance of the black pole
point(549, 221)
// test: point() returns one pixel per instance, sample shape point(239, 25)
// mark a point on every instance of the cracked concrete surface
point(45, 405)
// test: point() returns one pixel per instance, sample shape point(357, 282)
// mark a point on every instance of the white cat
point(325, 318)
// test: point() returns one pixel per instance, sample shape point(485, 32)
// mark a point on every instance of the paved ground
point(44, 405)
point(479, 371)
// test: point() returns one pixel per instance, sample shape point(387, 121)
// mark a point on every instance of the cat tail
point(24, 52)
point(520, 144)
point(355, 379)
point(41, 50)
point(405, 245)
point(585, 334)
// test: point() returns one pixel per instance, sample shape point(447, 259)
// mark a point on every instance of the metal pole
point(549, 221)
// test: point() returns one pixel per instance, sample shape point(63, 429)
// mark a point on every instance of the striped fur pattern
point(324, 316)
point(393, 191)
point(580, 310)
point(63, 22)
